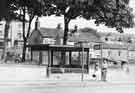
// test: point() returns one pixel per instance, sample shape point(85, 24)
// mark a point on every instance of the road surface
point(78, 88)
point(31, 79)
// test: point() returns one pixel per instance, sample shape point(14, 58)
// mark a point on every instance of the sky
point(52, 21)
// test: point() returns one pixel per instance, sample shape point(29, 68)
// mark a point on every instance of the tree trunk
point(66, 22)
point(7, 25)
point(65, 38)
point(24, 51)
point(117, 4)
point(24, 38)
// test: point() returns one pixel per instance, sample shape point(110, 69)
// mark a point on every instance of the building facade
point(115, 46)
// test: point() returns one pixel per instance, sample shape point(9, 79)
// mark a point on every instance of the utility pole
point(82, 77)
point(11, 36)
point(101, 47)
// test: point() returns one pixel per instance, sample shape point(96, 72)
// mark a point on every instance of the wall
point(49, 41)
point(115, 54)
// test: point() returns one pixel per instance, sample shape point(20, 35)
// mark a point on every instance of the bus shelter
point(52, 49)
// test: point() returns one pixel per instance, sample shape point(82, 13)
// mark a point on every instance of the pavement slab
point(31, 73)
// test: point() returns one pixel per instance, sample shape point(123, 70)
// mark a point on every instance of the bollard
point(47, 72)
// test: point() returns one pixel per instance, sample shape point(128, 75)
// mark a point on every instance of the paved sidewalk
point(25, 74)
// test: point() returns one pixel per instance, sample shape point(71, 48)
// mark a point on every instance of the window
point(119, 39)
point(19, 35)
point(1, 43)
point(0, 32)
point(119, 53)
point(106, 39)
point(19, 25)
point(129, 40)
point(109, 53)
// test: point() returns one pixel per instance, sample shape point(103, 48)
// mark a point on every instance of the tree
point(8, 15)
point(3, 8)
point(32, 8)
point(119, 16)
point(112, 13)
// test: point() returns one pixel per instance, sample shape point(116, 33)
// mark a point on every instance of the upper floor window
point(109, 53)
point(19, 25)
point(1, 44)
point(0, 32)
point(129, 40)
point(48, 41)
point(119, 53)
point(106, 39)
point(119, 39)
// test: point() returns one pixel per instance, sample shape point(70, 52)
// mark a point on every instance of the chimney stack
point(37, 25)
point(59, 26)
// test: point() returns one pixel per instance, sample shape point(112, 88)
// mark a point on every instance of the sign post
point(82, 61)
point(101, 45)
point(80, 44)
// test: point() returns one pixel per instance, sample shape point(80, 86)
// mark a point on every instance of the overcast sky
point(52, 21)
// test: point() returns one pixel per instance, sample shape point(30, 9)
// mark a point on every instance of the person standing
point(97, 71)
point(104, 70)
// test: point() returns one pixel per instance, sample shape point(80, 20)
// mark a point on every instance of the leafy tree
point(112, 13)
point(32, 8)
point(8, 14)
point(3, 8)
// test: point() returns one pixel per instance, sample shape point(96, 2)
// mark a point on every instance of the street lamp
point(82, 60)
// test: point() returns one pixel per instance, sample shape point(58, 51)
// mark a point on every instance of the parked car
point(17, 59)
point(12, 57)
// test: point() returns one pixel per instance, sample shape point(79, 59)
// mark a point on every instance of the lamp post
point(101, 47)
point(82, 61)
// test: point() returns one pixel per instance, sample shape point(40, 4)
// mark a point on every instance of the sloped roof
point(85, 35)
point(50, 32)
point(114, 46)
point(130, 47)
point(124, 36)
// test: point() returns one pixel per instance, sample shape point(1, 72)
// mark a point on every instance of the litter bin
point(47, 72)
point(104, 74)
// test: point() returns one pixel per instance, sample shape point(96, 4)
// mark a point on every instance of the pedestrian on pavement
point(125, 67)
point(104, 70)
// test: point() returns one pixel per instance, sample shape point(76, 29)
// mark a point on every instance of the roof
point(85, 35)
point(124, 36)
point(124, 46)
point(114, 46)
point(50, 32)
point(39, 47)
